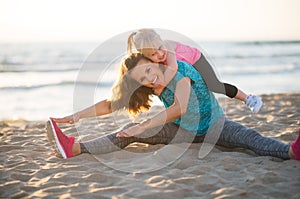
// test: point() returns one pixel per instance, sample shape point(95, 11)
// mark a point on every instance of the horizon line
point(196, 40)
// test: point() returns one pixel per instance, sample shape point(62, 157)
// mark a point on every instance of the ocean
point(38, 80)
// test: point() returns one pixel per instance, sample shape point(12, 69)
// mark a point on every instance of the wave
point(257, 56)
point(263, 69)
point(6, 62)
point(109, 81)
point(11, 70)
point(51, 67)
point(58, 84)
point(287, 42)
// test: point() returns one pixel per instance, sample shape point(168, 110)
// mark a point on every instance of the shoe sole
point(257, 107)
point(52, 137)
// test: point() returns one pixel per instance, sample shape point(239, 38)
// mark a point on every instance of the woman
point(191, 111)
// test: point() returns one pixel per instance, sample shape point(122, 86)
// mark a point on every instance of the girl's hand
point(71, 119)
point(131, 131)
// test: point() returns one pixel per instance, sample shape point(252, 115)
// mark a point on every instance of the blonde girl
point(150, 44)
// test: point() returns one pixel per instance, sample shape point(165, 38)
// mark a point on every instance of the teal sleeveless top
point(203, 108)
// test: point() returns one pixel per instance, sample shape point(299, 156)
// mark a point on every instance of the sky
point(96, 20)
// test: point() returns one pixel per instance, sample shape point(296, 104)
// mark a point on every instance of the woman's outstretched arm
point(101, 108)
point(178, 108)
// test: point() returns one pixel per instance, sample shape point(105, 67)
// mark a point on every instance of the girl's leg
point(237, 135)
point(169, 133)
point(212, 82)
point(214, 85)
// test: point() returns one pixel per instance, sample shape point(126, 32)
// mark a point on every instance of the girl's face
point(158, 52)
point(157, 55)
point(148, 74)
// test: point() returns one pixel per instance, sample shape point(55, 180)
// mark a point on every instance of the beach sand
point(29, 169)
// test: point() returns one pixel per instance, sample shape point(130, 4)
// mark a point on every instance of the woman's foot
point(63, 143)
point(295, 145)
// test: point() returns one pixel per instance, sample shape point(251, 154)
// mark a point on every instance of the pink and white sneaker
point(296, 147)
point(62, 142)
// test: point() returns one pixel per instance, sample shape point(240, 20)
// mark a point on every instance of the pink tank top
point(187, 53)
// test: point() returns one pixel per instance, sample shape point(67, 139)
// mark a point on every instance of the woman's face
point(148, 74)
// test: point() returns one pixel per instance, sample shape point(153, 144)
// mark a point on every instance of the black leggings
point(211, 80)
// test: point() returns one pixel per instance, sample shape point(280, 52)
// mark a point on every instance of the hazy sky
point(94, 20)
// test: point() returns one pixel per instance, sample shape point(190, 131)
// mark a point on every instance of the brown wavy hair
point(127, 93)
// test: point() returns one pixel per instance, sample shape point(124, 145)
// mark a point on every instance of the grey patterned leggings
point(232, 135)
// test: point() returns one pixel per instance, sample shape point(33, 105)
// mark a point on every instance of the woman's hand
point(131, 131)
point(71, 119)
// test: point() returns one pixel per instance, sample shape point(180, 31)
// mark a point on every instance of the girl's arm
point(100, 108)
point(172, 65)
point(178, 108)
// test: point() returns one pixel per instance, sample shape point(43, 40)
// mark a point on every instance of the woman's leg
point(237, 135)
point(169, 133)
point(212, 81)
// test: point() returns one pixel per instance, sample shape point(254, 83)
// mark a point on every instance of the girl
point(149, 43)
point(191, 111)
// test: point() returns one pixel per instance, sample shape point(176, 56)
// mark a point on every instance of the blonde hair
point(128, 93)
point(142, 40)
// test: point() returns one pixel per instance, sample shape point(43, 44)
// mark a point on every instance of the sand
point(30, 169)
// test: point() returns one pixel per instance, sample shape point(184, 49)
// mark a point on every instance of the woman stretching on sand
point(191, 112)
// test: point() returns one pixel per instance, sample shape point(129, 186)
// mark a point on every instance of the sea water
point(38, 80)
